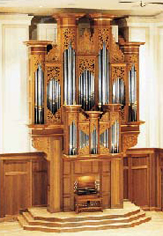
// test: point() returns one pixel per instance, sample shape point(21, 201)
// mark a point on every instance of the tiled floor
point(152, 228)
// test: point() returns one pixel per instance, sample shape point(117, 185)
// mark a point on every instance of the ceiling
point(48, 7)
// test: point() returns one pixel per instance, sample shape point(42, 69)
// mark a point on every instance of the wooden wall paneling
point(39, 183)
point(55, 175)
point(159, 180)
point(116, 183)
point(140, 180)
point(72, 180)
point(105, 183)
point(2, 205)
point(95, 167)
point(153, 180)
point(66, 185)
point(130, 181)
point(125, 178)
point(86, 167)
point(17, 190)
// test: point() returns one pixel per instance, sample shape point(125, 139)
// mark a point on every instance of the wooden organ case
point(84, 107)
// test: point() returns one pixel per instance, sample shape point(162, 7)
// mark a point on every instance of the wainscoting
point(23, 182)
point(143, 179)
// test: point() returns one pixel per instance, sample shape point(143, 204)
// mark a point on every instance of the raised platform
point(39, 219)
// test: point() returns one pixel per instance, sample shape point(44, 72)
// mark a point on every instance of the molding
point(21, 19)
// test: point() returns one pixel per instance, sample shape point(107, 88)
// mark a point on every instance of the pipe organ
point(84, 95)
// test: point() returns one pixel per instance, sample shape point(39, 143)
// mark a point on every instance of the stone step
point(82, 217)
point(32, 221)
point(116, 225)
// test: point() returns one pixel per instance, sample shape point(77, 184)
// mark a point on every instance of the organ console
point(85, 91)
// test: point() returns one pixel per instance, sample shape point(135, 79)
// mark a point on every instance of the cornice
point(21, 19)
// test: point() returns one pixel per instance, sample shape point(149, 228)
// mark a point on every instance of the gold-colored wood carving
point(54, 72)
point(84, 151)
point(53, 118)
point(118, 72)
point(86, 43)
point(69, 35)
point(53, 55)
point(86, 63)
point(128, 141)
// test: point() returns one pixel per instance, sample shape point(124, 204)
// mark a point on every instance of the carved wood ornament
point(38, 60)
point(129, 140)
point(118, 72)
point(53, 55)
point(86, 43)
point(53, 72)
point(69, 35)
point(86, 63)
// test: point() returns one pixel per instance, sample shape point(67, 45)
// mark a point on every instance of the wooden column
point(116, 183)
point(52, 146)
point(54, 204)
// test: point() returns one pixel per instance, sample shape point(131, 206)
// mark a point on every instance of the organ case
point(84, 92)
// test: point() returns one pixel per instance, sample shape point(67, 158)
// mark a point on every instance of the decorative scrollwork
point(104, 126)
point(53, 55)
point(72, 117)
point(86, 43)
point(69, 36)
point(128, 141)
point(84, 127)
point(53, 72)
point(105, 117)
point(86, 64)
point(38, 60)
point(82, 117)
point(113, 117)
point(122, 114)
point(118, 72)
point(53, 118)
point(132, 59)
point(41, 144)
point(104, 36)
point(84, 151)
point(116, 53)
point(104, 150)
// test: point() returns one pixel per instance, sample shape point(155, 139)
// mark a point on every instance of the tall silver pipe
point(65, 76)
point(73, 98)
point(107, 77)
point(69, 76)
point(104, 74)
point(36, 97)
point(100, 79)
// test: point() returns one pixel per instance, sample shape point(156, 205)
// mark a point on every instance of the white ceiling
point(47, 7)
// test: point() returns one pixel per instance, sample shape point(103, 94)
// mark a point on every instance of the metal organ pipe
point(69, 75)
point(118, 92)
point(72, 139)
point(103, 76)
point(132, 94)
point(115, 137)
point(86, 90)
point(53, 95)
point(39, 96)
point(104, 138)
point(94, 141)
